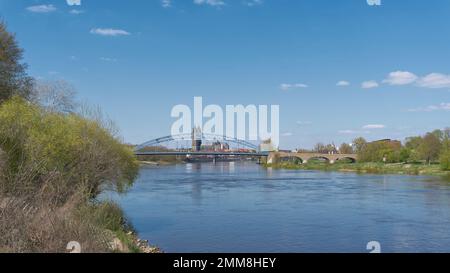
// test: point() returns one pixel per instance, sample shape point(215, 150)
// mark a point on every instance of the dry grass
point(52, 167)
point(43, 213)
point(34, 225)
point(43, 222)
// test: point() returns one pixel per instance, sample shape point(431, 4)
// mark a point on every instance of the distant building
point(219, 146)
point(394, 144)
point(196, 139)
point(216, 147)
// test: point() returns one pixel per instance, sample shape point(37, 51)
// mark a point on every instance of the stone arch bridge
point(303, 158)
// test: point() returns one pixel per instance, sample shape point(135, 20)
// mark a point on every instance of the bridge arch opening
point(319, 159)
point(346, 160)
point(291, 159)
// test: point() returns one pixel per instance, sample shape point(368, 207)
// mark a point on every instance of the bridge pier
point(270, 158)
point(274, 157)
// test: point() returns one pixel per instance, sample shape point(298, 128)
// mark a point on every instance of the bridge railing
point(187, 137)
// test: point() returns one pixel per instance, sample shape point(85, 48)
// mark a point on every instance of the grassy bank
point(160, 162)
point(374, 168)
point(52, 167)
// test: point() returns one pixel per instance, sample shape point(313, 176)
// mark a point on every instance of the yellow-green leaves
point(80, 152)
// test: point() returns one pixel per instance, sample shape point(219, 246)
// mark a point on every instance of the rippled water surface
point(242, 207)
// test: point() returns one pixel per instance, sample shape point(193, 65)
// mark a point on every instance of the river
point(243, 207)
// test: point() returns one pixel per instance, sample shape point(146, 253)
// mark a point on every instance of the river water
point(243, 207)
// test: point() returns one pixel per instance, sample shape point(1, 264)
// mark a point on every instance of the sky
point(338, 69)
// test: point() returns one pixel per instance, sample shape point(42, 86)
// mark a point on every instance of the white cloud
point(369, 84)
point(304, 123)
point(287, 134)
point(434, 80)
point(209, 2)
point(252, 3)
point(401, 78)
point(76, 11)
point(353, 132)
point(445, 106)
point(166, 3)
point(106, 59)
point(343, 83)
point(374, 126)
point(109, 32)
point(73, 2)
point(41, 8)
point(288, 86)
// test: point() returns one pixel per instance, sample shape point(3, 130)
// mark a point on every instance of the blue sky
point(137, 59)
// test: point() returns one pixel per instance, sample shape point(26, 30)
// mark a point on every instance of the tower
point(196, 139)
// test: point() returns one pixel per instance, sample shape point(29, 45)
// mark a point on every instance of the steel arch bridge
point(188, 137)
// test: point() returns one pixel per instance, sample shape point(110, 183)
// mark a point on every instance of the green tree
point(380, 151)
point(330, 148)
point(13, 78)
point(404, 155)
point(447, 133)
point(413, 143)
point(324, 149)
point(345, 149)
point(320, 148)
point(445, 160)
point(80, 153)
point(445, 153)
point(439, 134)
point(359, 143)
point(430, 147)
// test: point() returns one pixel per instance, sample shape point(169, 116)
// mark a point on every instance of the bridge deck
point(204, 153)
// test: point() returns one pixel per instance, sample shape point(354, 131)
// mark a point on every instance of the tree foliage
point(445, 154)
point(430, 147)
point(43, 144)
point(359, 144)
point(345, 149)
point(380, 151)
point(13, 77)
point(324, 148)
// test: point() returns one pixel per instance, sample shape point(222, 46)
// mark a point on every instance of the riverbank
point(159, 163)
point(373, 168)
point(129, 242)
point(53, 166)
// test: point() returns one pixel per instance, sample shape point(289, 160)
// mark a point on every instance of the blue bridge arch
point(207, 137)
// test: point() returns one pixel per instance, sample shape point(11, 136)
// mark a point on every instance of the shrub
point(445, 160)
point(41, 145)
point(52, 165)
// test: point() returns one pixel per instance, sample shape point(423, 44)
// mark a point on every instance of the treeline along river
point(243, 207)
